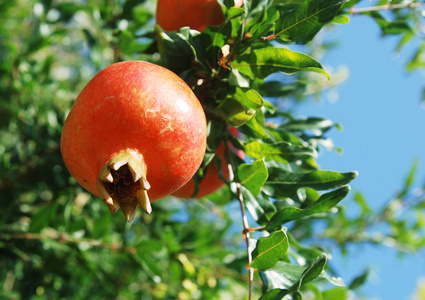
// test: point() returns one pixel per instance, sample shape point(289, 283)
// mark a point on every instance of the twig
point(246, 234)
point(354, 11)
point(246, 229)
point(236, 186)
point(54, 235)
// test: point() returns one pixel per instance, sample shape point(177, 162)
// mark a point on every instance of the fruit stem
point(122, 183)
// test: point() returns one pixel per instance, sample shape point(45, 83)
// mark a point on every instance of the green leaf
point(301, 24)
point(275, 294)
point(359, 280)
point(260, 207)
point(280, 151)
point(361, 201)
point(250, 98)
point(286, 275)
point(240, 107)
point(323, 204)
point(210, 43)
point(42, 217)
point(390, 27)
point(237, 79)
point(102, 226)
point(260, 63)
point(319, 125)
point(253, 176)
point(255, 128)
point(263, 24)
point(176, 51)
point(312, 272)
point(278, 89)
point(283, 183)
point(128, 44)
point(410, 179)
point(417, 61)
point(341, 19)
point(148, 265)
point(269, 250)
point(335, 293)
point(280, 135)
point(235, 112)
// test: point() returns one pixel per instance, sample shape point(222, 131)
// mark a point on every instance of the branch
point(246, 235)
point(52, 234)
point(246, 229)
point(355, 11)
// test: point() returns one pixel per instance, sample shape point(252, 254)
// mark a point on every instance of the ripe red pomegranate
point(211, 182)
point(135, 128)
point(172, 15)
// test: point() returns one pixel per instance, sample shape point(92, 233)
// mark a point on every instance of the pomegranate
point(212, 181)
point(172, 15)
point(135, 134)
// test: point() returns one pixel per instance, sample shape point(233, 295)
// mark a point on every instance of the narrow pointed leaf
point(281, 151)
point(260, 207)
point(323, 204)
point(283, 183)
point(255, 128)
point(286, 275)
point(301, 24)
point(312, 272)
point(358, 281)
point(314, 124)
point(275, 294)
point(175, 48)
point(269, 250)
point(260, 63)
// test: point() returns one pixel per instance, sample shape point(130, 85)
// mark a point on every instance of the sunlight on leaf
point(266, 61)
point(269, 250)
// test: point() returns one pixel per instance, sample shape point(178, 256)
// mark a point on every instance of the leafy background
point(56, 241)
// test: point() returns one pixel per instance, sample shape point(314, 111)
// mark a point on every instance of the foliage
point(59, 242)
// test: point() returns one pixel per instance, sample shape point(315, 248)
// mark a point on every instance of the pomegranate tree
point(135, 134)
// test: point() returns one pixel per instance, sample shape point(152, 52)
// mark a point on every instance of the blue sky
point(383, 132)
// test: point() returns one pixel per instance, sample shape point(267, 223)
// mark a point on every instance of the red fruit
point(211, 182)
point(172, 15)
point(135, 127)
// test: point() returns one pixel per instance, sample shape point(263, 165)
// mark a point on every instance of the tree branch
point(246, 235)
point(54, 235)
point(355, 11)
point(236, 186)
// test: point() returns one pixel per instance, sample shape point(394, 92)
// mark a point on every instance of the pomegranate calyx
point(122, 183)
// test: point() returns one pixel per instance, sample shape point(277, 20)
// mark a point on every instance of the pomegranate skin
point(171, 15)
point(142, 107)
point(211, 182)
